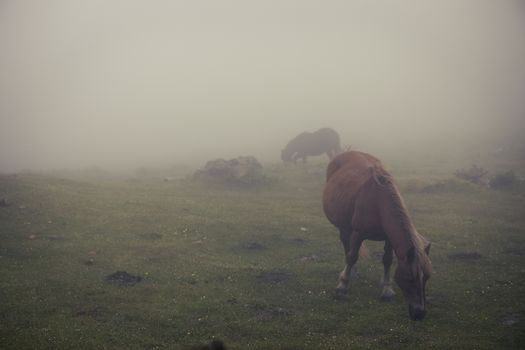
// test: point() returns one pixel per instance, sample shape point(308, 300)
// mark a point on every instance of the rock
point(123, 278)
point(243, 170)
point(215, 345)
point(4, 202)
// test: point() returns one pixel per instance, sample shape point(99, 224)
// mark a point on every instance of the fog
point(131, 83)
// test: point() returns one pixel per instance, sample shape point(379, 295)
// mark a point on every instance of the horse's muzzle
point(416, 313)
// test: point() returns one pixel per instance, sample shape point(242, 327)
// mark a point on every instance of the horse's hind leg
point(351, 244)
point(388, 293)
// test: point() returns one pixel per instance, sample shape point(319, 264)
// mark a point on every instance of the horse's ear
point(411, 254)
point(427, 248)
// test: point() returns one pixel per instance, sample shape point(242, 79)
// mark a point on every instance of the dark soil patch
point(254, 246)
point(123, 278)
point(215, 345)
point(467, 256)
point(270, 314)
point(274, 276)
point(151, 236)
point(298, 241)
point(93, 312)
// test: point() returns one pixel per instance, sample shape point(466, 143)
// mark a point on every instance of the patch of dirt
point(269, 314)
point(467, 256)
point(274, 276)
point(215, 345)
point(298, 241)
point(93, 312)
point(254, 246)
point(123, 278)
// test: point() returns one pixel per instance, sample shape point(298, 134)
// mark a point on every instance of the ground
point(253, 266)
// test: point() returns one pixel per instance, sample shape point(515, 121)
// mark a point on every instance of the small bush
point(240, 171)
point(503, 181)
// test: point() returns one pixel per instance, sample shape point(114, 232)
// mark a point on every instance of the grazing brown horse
point(315, 143)
point(361, 199)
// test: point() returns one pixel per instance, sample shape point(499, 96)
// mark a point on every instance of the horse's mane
point(385, 183)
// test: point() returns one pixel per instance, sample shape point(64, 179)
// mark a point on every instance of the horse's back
point(347, 175)
point(328, 137)
point(315, 143)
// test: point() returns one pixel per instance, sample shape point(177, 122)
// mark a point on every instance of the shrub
point(503, 181)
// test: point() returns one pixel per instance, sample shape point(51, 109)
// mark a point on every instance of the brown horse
point(315, 143)
point(362, 201)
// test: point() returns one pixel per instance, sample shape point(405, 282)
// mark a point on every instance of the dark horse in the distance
point(361, 199)
point(315, 143)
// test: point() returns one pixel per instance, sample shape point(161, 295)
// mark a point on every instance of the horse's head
point(411, 276)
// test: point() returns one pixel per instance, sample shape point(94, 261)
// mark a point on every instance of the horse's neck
point(396, 223)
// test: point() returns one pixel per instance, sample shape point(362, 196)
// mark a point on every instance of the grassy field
point(255, 267)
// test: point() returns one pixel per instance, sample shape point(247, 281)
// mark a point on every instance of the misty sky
point(140, 82)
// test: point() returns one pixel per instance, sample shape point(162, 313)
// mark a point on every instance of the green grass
point(191, 244)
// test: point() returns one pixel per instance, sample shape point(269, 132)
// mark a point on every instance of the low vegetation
point(101, 262)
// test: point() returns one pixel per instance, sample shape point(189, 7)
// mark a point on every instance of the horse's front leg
point(351, 243)
point(388, 293)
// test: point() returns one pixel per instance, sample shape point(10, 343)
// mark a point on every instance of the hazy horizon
point(131, 83)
